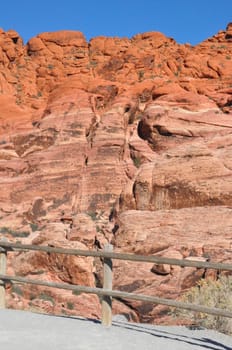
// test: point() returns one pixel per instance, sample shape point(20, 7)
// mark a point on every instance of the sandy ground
point(30, 331)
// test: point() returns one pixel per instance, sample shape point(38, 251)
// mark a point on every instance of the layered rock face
point(127, 141)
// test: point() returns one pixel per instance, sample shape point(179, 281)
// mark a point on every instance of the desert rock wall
point(118, 140)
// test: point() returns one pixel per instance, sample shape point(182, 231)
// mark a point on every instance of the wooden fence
point(106, 292)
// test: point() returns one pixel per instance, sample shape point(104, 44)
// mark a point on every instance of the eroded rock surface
point(127, 141)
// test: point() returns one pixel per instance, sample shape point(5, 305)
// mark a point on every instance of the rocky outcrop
point(197, 233)
point(115, 140)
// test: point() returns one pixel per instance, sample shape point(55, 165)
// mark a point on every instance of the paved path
point(30, 331)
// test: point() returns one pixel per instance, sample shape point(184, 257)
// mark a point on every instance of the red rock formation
point(121, 140)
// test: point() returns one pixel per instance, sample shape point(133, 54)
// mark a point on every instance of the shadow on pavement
point(201, 342)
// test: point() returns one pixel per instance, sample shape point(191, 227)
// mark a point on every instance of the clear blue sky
point(185, 20)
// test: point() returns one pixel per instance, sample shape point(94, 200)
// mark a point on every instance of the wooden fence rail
point(106, 292)
point(120, 256)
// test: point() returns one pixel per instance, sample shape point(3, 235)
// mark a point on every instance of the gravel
point(31, 331)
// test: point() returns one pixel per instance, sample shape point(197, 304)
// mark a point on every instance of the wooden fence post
point(107, 284)
point(3, 256)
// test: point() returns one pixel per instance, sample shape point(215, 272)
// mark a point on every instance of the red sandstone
point(115, 140)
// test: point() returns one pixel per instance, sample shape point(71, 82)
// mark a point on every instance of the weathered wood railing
point(106, 292)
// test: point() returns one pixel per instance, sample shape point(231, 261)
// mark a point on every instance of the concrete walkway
point(30, 331)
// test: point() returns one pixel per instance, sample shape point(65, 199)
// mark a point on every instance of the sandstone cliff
point(120, 140)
